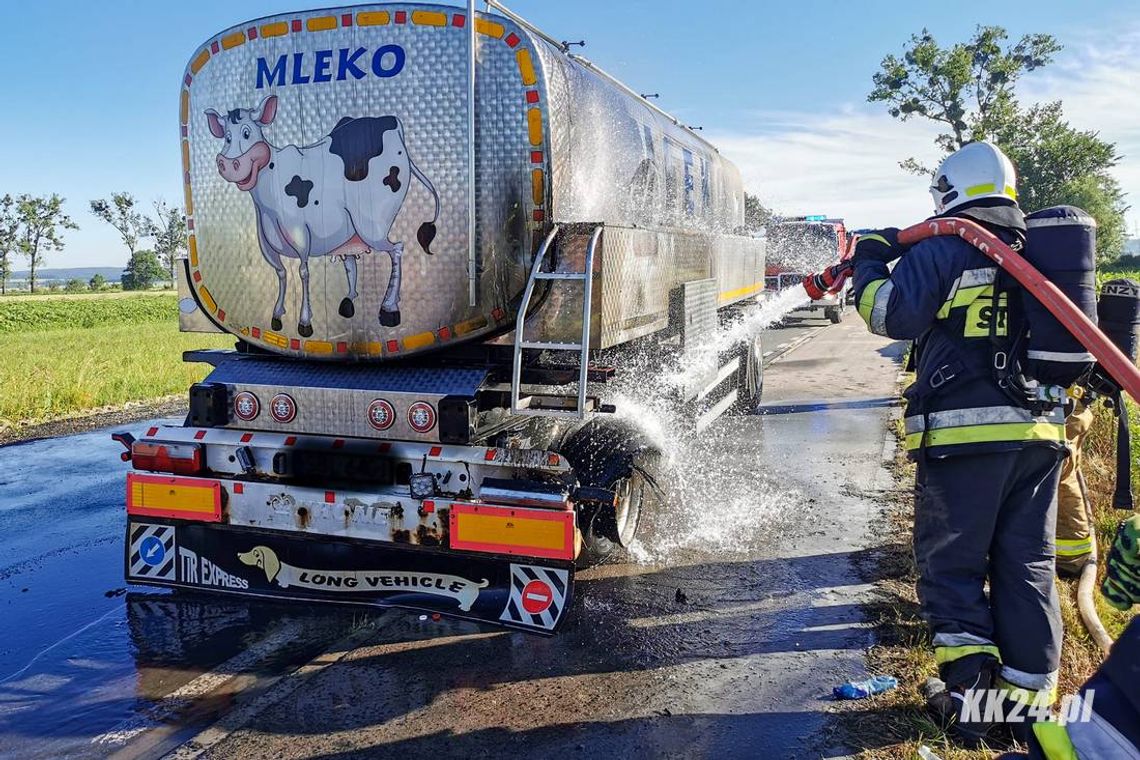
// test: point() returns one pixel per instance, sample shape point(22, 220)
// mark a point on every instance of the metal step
point(560, 276)
point(552, 346)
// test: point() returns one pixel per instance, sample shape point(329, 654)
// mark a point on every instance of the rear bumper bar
point(216, 557)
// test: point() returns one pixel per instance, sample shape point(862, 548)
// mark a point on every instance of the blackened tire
point(834, 313)
point(613, 454)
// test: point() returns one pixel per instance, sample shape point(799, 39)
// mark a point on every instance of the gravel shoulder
point(170, 406)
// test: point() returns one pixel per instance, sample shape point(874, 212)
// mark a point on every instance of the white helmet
point(974, 171)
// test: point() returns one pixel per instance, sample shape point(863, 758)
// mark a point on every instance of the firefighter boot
point(959, 701)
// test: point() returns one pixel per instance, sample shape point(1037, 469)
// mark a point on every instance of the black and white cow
point(337, 197)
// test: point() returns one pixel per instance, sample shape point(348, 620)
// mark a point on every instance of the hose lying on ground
point(1086, 586)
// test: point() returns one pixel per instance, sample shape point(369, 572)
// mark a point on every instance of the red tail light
point(163, 456)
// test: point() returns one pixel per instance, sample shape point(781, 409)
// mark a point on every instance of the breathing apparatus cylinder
point(1061, 244)
point(1118, 311)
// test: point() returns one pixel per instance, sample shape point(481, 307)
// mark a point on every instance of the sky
point(89, 91)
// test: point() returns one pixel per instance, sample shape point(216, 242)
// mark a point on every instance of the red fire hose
point(1111, 359)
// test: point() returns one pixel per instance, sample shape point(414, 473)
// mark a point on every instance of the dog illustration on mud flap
point(337, 197)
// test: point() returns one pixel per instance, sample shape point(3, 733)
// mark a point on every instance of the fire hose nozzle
point(828, 281)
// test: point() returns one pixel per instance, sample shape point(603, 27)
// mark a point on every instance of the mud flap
point(504, 591)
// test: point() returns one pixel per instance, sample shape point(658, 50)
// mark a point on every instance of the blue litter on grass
point(864, 689)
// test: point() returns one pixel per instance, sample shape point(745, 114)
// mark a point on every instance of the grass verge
point(57, 373)
point(894, 725)
point(62, 312)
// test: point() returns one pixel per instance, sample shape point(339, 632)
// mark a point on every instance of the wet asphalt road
point(88, 665)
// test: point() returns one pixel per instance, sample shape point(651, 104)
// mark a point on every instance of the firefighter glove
point(1121, 587)
point(879, 245)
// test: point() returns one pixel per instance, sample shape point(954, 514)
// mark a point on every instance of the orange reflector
point(179, 498)
point(504, 530)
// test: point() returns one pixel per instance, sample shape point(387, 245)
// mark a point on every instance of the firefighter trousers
point(992, 516)
point(1074, 539)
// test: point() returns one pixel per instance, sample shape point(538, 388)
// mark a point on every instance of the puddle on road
point(80, 655)
point(98, 685)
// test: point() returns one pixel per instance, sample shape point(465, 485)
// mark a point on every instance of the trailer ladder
point(540, 406)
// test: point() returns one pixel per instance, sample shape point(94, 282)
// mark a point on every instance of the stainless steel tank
point(326, 177)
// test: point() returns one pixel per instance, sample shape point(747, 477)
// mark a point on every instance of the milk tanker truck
point(437, 237)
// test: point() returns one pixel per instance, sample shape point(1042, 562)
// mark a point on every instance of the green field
point(62, 356)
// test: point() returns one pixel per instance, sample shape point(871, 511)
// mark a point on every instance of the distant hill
point(110, 274)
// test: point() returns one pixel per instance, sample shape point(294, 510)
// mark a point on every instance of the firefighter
point(1074, 535)
point(986, 484)
point(1111, 698)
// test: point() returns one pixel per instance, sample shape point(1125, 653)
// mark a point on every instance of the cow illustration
point(337, 197)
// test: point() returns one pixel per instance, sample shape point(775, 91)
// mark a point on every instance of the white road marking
point(178, 699)
point(280, 688)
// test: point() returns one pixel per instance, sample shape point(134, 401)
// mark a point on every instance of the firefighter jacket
point(941, 295)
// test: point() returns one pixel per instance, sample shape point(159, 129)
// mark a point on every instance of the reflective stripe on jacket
point(983, 424)
point(941, 295)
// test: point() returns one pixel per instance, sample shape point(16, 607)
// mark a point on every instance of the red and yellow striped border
point(429, 18)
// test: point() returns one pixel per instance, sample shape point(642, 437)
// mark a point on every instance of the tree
point(756, 215)
point(966, 87)
point(129, 222)
point(1058, 165)
point(969, 88)
point(9, 234)
point(169, 234)
point(143, 270)
point(97, 282)
point(41, 220)
point(75, 285)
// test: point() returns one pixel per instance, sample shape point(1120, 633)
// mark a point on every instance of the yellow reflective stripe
point(965, 297)
point(944, 655)
point(1073, 547)
point(1011, 191)
point(873, 236)
point(1009, 431)
point(1054, 741)
point(867, 299)
point(1027, 696)
point(988, 187)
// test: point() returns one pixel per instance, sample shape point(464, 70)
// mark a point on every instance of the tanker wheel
point(613, 455)
point(834, 313)
point(749, 377)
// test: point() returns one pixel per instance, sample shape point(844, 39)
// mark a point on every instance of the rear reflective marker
point(179, 498)
point(525, 532)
